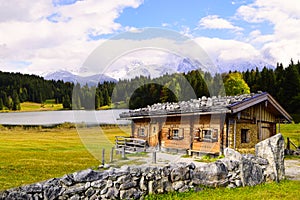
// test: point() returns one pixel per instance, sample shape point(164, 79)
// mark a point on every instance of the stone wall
point(234, 170)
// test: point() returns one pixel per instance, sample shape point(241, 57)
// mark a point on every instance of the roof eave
point(264, 97)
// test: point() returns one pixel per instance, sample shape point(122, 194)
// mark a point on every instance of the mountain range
point(67, 76)
point(138, 67)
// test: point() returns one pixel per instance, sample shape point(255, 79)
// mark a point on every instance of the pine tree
point(66, 102)
point(1, 104)
point(10, 103)
point(291, 86)
point(16, 101)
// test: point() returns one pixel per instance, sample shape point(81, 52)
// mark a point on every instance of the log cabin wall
point(141, 129)
point(180, 132)
point(216, 124)
point(176, 133)
point(251, 126)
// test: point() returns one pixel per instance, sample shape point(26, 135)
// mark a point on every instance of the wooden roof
point(272, 104)
point(208, 105)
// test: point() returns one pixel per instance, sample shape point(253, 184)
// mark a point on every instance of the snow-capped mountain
point(170, 65)
point(70, 77)
point(241, 65)
point(180, 65)
point(137, 68)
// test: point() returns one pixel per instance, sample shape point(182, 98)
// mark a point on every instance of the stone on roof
point(203, 104)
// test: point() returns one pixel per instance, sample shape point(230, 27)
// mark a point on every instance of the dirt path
point(292, 169)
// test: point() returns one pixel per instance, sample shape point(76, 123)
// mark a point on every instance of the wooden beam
point(234, 135)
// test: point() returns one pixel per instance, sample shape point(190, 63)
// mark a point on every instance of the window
point(154, 129)
point(207, 134)
point(142, 132)
point(175, 134)
point(210, 135)
point(245, 136)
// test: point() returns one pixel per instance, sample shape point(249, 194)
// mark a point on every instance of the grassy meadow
point(36, 154)
point(292, 131)
point(48, 105)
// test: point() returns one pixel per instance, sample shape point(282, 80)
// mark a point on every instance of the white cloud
point(284, 16)
point(15, 10)
point(227, 50)
point(27, 35)
point(215, 22)
point(256, 37)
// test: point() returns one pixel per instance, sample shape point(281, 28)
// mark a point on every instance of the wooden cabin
point(208, 125)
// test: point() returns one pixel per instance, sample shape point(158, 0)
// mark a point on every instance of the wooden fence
point(130, 145)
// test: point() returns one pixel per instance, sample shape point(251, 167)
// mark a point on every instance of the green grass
point(292, 131)
point(283, 190)
point(117, 105)
point(292, 157)
point(36, 154)
point(208, 158)
point(46, 106)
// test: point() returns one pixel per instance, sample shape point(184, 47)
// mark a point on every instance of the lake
point(57, 117)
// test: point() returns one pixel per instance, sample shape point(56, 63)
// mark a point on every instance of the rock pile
point(204, 104)
point(234, 170)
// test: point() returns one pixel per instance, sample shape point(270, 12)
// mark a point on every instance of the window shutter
point(248, 136)
point(169, 134)
point(215, 134)
point(145, 131)
point(138, 132)
point(180, 133)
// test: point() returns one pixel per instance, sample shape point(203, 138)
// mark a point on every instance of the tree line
point(283, 83)
point(16, 88)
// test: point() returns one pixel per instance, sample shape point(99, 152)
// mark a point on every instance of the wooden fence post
point(112, 154)
point(103, 154)
point(154, 157)
point(288, 146)
point(123, 152)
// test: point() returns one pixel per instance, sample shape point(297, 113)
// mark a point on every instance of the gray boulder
point(87, 175)
point(272, 149)
point(251, 174)
point(211, 174)
point(232, 154)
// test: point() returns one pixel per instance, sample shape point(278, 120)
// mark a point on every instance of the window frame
point(142, 132)
point(176, 134)
point(245, 136)
point(211, 137)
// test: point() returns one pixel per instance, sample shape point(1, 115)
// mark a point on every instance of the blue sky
point(47, 35)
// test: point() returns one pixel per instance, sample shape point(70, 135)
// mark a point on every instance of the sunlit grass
point(33, 155)
point(292, 131)
point(47, 106)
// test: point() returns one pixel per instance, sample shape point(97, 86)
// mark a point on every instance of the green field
point(292, 131)
point(46, 106)
point(30, 155)
point(37, 154)
point(31, 106)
